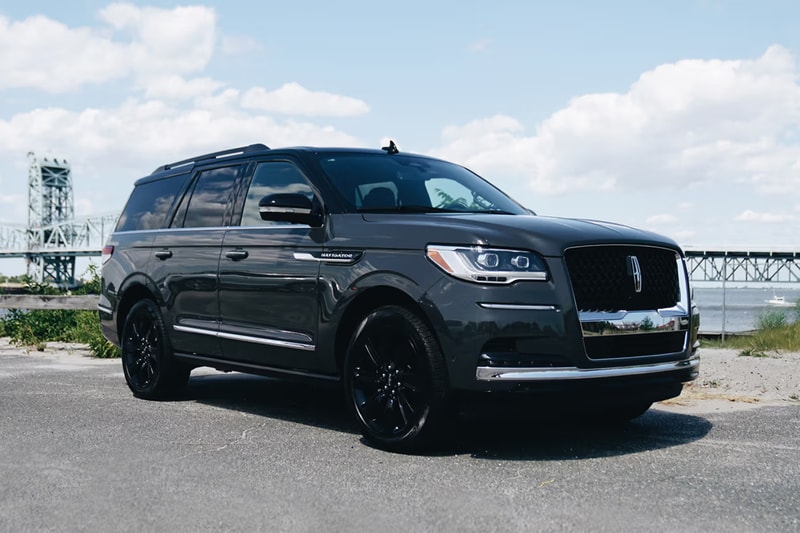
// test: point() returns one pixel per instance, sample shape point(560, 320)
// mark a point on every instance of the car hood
point(548, 236)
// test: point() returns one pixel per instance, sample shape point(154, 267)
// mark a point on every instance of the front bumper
point(689, 367)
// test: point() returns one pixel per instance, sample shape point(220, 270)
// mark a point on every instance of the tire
point(147, 362)
point(396, 382)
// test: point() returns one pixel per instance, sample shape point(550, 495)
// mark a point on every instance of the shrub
point(35, 327)
point(86, 330)
point(771, 320)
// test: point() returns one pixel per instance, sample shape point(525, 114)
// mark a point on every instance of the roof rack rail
point(214, 155)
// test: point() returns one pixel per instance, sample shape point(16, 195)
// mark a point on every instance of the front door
point(268, 298)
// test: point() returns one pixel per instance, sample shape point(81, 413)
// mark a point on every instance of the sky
point(680, 116)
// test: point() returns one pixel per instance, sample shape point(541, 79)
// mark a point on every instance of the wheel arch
point(136, 289)
point(363, 304)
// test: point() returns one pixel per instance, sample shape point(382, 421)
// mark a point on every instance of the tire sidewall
point(429, 361)
point(157, 385)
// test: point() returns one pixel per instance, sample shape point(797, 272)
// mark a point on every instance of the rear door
point(186, 260)
point(268, 292)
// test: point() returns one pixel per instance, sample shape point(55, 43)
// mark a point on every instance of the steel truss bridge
point(744, 266)
point(53, 237)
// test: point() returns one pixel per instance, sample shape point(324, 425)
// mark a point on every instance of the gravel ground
point(732, 381)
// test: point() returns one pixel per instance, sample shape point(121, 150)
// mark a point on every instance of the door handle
point(237, 255)
point(163, 254)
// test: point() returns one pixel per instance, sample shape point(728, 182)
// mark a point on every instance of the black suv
point(410, 280)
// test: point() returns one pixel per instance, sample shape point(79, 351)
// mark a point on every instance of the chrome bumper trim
point(572, 373)
point(518, 307)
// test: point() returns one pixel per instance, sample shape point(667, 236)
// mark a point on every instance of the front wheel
point(395, 381)
point(147, 362)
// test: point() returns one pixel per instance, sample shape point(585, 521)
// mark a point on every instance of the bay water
point(742, 306)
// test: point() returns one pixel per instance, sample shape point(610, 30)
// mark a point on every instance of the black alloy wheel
point(395, 380)
point(147, 362)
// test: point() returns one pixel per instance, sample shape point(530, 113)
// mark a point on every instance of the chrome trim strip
point(268, 342)
point(105, 309)
point(246, 338)
point(277, 209)
point(519, 307)
point(215, 228)
point(628, 322)
point(572, 373)
point(268, 227)
point(198, 331)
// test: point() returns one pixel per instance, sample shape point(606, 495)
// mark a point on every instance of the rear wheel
point(395, 381)
point(147, 362)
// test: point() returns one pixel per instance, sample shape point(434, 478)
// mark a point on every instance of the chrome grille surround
point(632, 301)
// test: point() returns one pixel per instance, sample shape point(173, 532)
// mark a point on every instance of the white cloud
point(176, 40)
point(47, 55)
point(680, 124)
point(767, 218)
point(153, 129)
point(662, 219)
point(294, 99)
point(177, 88)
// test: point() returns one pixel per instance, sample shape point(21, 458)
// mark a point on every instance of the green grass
point(775, 332)
point(37, 326)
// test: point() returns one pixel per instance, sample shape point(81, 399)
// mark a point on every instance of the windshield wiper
point(493, 212)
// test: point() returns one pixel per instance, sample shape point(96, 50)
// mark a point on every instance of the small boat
point(779, 301)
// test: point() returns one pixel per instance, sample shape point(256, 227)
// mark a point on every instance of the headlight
point(488, 265)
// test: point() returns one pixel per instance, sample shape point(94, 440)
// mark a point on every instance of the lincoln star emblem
point(636, 272)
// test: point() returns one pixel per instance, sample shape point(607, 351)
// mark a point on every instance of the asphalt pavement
point(240, 453)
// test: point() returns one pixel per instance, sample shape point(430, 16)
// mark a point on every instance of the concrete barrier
point(29, 301)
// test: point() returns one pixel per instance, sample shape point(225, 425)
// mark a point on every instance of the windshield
point(381, 182)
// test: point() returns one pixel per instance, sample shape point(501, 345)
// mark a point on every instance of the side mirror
point(289, 207)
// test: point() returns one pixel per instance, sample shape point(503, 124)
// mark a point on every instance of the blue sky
point(682, 116)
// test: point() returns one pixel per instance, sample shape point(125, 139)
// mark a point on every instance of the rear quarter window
point(149, 204)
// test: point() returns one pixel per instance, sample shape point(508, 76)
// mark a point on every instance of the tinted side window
point(272, 178)
point(210, 197)
point(149, 204)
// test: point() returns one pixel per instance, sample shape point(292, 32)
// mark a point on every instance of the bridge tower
point(50, 206)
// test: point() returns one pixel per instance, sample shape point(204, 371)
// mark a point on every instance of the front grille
point(603, 278)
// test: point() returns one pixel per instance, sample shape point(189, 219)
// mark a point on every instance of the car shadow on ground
point(506, 435)
point(570, 437)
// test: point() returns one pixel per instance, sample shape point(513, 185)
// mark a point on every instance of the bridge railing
point(81, 234)
point(746, 266)
point(13, 237)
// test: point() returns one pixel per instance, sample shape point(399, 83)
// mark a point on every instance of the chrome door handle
point(237, 255)
point(163, 254)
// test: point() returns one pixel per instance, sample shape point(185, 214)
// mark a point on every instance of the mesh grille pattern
point(602, 278)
